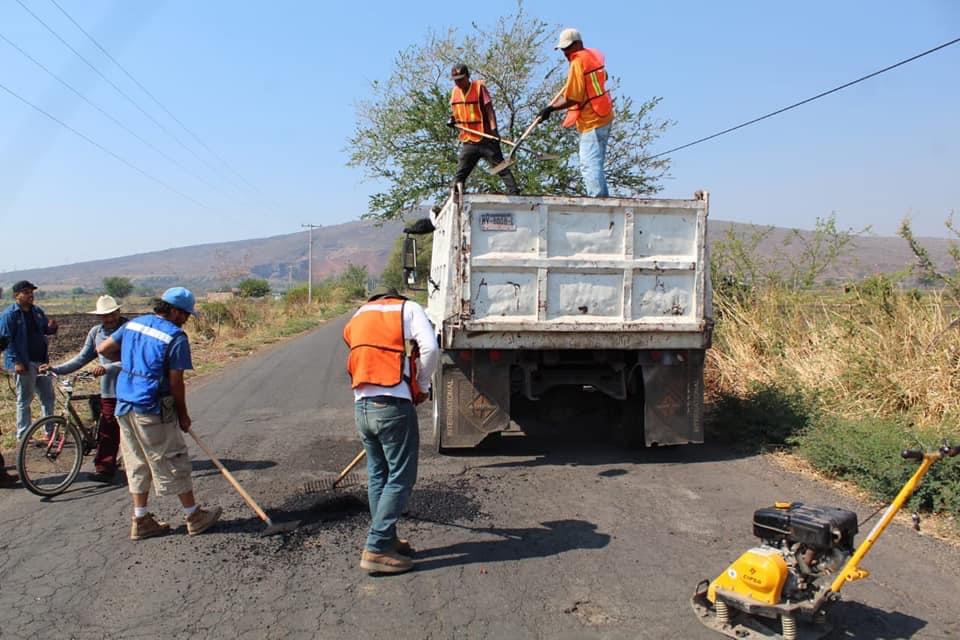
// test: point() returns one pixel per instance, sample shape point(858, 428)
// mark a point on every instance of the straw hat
point(105, 305)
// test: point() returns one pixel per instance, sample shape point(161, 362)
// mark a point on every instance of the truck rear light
point(495, 356)
point(465, 356)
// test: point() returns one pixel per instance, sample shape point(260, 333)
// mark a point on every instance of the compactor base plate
point(743, 626)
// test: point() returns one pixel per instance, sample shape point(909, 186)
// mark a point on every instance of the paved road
point(532, 540)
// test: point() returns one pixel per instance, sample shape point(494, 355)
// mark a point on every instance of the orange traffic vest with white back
point(595, 84)
point(467, 110)
point(377, 346)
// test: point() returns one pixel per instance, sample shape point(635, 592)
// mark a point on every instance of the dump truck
point(597, 309)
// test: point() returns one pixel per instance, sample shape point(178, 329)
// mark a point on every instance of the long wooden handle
point(229, 476)
point(486, 135)
point(349, 467)
point(533, 124)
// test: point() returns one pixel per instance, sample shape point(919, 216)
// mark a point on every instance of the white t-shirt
point(416, 327)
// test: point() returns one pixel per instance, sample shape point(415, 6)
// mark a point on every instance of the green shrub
point(296, 296)
point(215, 313)
point(867, 452)
point(254, 288)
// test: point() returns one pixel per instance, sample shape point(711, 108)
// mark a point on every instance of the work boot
point(8, 479)
point(385, 562)
point(202, 519)
point(147, 527)
point(402, 546)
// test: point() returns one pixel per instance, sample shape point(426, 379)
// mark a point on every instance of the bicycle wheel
point(50, 456)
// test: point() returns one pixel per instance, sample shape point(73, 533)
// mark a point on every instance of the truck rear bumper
point(482, 336)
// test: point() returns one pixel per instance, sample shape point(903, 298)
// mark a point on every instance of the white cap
point(105, 305)
point(567, 38)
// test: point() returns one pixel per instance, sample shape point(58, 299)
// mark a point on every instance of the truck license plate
point(497, 222)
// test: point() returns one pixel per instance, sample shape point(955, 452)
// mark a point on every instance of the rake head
point(323, 485)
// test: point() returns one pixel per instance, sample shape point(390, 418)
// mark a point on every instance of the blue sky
point(270, 87)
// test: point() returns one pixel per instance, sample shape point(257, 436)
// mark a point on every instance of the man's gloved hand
point(544, 114)
point(452, 122)
point(421, 398)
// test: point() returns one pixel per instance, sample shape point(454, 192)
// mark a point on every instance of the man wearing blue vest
point(152, 410)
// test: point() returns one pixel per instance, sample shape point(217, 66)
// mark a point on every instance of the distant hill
point(279, 259)
point(283, 259)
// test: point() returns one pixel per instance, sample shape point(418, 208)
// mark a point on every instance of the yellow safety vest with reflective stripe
point(467, 110)
point(595, 84)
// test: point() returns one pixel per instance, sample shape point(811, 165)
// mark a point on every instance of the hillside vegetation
point(846, 376)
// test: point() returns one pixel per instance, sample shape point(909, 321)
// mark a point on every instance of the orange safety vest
point(595, 83)
point(378, 347)
point(467, 111)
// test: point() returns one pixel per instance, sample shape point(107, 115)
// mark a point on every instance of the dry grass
point(858, 354)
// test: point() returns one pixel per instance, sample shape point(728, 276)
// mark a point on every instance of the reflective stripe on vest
point(467, 110)
point(595, 85)
point(143, 354)
point(377, 346)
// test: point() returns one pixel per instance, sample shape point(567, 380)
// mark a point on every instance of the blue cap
point(181, 298)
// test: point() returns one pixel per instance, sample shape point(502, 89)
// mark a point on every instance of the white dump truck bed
point(570, 273)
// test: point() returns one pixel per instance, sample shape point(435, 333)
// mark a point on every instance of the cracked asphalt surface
point(534, 539)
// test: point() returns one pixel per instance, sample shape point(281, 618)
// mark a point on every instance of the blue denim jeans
point(27, 384)
point(593, 152)
point(391, 437)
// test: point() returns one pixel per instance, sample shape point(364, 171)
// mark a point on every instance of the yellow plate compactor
point(781, 588)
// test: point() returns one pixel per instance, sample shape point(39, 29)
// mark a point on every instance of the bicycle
point(51, 452)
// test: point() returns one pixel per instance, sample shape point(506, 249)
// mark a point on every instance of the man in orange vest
point(472, 109)
point(588, 105)
point(389, 379)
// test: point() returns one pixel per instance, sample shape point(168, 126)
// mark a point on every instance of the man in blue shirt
point(152, 411)
point(108, 439)
point(26, 327)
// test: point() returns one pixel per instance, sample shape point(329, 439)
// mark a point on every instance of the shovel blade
point(277, 528)
point(506, 164)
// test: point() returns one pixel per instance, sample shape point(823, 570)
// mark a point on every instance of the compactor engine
point(800, 544)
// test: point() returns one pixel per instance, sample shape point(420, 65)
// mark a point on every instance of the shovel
point(272, 527)
point(512, 158)
point(538, 156)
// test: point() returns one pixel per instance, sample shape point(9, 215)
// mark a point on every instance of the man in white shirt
point(393, 353)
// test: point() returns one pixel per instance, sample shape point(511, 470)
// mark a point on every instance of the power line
point(152, 97)
point(108, 116)
point(116, 88)
point(103, 148)
point(803, 102)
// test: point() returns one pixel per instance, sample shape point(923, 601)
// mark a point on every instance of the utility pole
point(310, 228)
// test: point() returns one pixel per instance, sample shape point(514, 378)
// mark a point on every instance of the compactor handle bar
point(946, 451)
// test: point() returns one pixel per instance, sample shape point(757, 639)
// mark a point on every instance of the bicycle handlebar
point(81, 375)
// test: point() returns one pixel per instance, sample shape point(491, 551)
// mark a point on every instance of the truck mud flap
point(673, 401)
point(471, 401)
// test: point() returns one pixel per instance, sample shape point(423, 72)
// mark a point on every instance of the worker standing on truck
point(588, 105)
point(388, 379)
point(472, 113)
